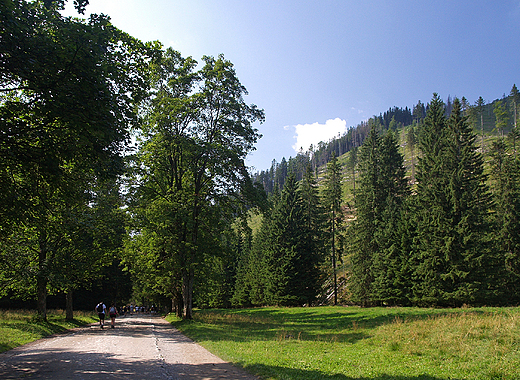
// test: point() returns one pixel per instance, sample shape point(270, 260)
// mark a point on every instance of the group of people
point(101, 309)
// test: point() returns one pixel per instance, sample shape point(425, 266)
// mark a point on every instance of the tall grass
point(355, 343)
point(18, 327)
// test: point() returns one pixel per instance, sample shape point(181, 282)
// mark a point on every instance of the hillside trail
point(140, 347)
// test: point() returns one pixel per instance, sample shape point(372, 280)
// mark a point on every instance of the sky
point(318, 68)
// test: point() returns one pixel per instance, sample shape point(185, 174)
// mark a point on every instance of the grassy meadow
point(347, 343)
point(18, 327)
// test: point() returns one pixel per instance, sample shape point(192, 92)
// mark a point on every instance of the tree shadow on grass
point(276, 372)
point(349, 326)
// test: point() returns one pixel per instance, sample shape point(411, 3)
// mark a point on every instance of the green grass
point(18, 327)
point(347, 343)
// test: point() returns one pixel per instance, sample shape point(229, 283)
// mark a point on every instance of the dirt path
point(139, 347)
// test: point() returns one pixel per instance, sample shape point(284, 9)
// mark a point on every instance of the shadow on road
point(74, 356)
point(62, 364)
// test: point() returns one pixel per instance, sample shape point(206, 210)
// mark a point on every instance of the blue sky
point(320, 67)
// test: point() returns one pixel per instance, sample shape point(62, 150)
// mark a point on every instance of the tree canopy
point(68, 91)
point(190, 166)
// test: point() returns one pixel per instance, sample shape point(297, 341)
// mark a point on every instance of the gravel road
point(140, 347)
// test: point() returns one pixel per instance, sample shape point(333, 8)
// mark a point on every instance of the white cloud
point(307, 134)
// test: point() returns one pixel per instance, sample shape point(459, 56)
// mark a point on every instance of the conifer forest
point(123, 173)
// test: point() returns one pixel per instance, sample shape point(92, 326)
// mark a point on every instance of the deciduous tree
point(68, 91)
point(198, 132)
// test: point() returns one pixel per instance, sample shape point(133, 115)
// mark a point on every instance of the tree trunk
point(69, 310)
point(187, 293)
point(177, 303)
point(482, 129)
point(334, 258)
point(41, 281)
point(42, 297)
point(188, 271)
point(354, 181)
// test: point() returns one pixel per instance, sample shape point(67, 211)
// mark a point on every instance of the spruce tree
point(501, 117)
point(362, 231)
point(254, 268)
point(479, 107)
point(515, 99)
point(377, 258)
point(431, 208)
point(332, 199)
point(285, 252)
point(514, 134)
point(257, 264)
point(506, 194)
point(390, 261)
point(453, 203)
point(242, 241)
point(352, 163)
point(469, 270)
point(313, 235)
point(411, 141)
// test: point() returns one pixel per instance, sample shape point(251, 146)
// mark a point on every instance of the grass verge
point(18, 327)
point(347, 343)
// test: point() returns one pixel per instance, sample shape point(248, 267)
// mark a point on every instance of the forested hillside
point(412, 207)
point(429, 210)
point(481, 116)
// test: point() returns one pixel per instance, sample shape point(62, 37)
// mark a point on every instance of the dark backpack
point(99, 308)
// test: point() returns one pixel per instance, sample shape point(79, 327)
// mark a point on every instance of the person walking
point(101, 310)
point(112, 311)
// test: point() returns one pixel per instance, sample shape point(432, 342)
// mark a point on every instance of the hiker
point(101, 310)
point(112, 311)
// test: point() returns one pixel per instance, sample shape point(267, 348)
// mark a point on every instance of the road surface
point(140, 347)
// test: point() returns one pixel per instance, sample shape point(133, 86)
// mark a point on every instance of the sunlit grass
point(18, 327)
point(355, 343)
